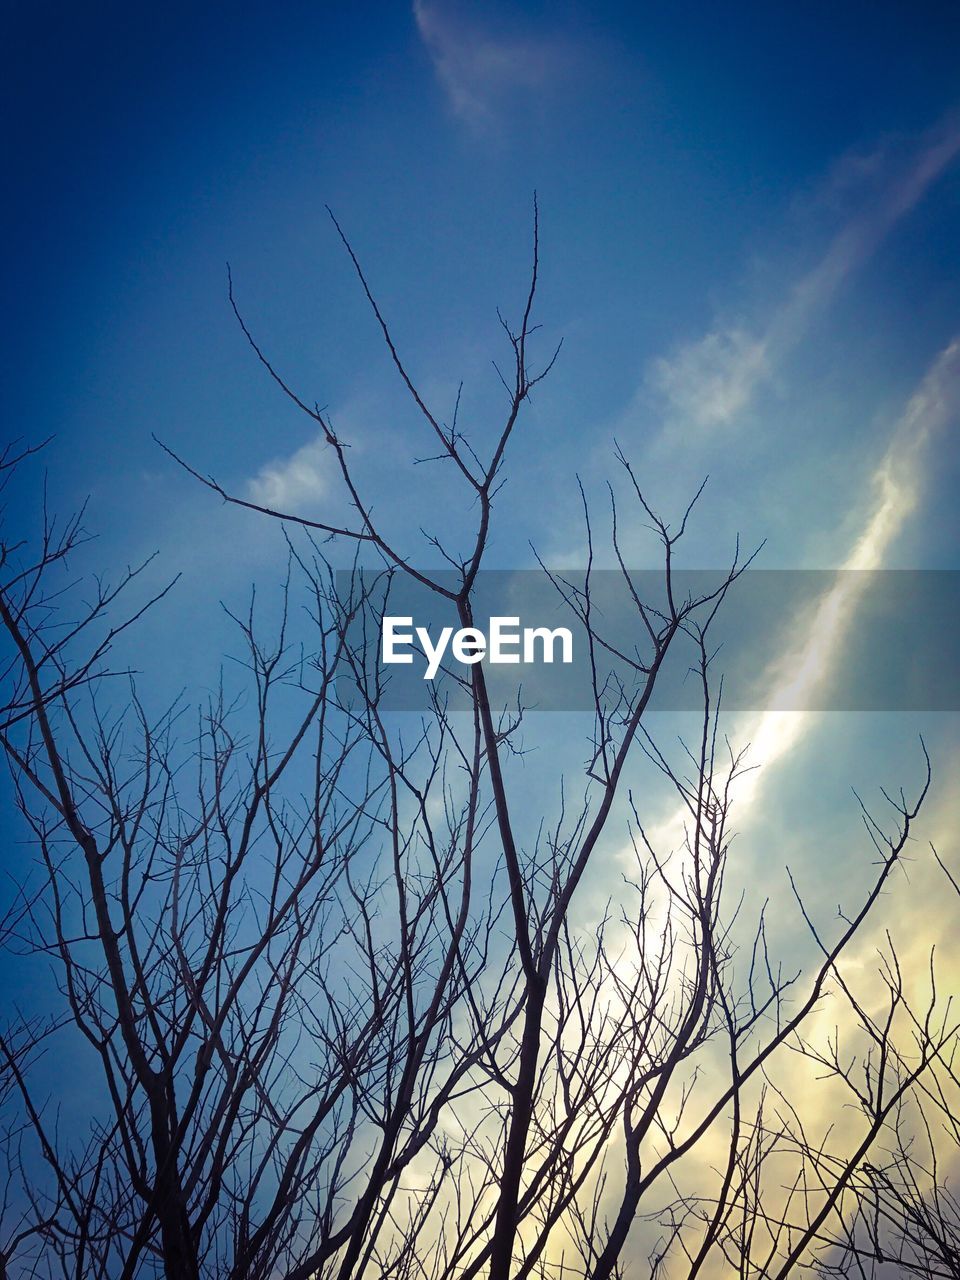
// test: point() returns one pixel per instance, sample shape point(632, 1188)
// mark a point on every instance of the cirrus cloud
point(478, 70)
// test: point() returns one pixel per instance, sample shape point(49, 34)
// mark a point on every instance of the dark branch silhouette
point(343, 1012)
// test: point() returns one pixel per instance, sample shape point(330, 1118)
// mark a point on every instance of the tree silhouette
point(343, 1015)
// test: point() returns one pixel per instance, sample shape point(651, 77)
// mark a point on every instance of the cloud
point(479, 71)
point(293, 484)
point(895, 491)
point(710, 383)
point(807, 662)
point(895, 487)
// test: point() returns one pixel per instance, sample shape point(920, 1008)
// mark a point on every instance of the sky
point(749, 219)
point(747, 230)
point(748, 227)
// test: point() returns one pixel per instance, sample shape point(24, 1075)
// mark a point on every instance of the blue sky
point(695, 168)
point(750, 216)
point(749, 222)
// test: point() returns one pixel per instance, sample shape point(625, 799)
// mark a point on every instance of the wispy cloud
point(293, 484)
point(479, 71)
point(814, 644)
point(896, 483)
point(811, 649)
point(710, 382)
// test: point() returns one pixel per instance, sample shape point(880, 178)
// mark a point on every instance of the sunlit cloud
point(805, 664)
point(895, 484)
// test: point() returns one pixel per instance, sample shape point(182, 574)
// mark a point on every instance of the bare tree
point(896, 1208)
point(343, 1014)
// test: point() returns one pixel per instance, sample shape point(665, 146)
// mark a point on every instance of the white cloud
point(478, 70)
point(711, 382)
point(895, 488)
point(809, 659)
point(807, 662)
point(293, 484)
